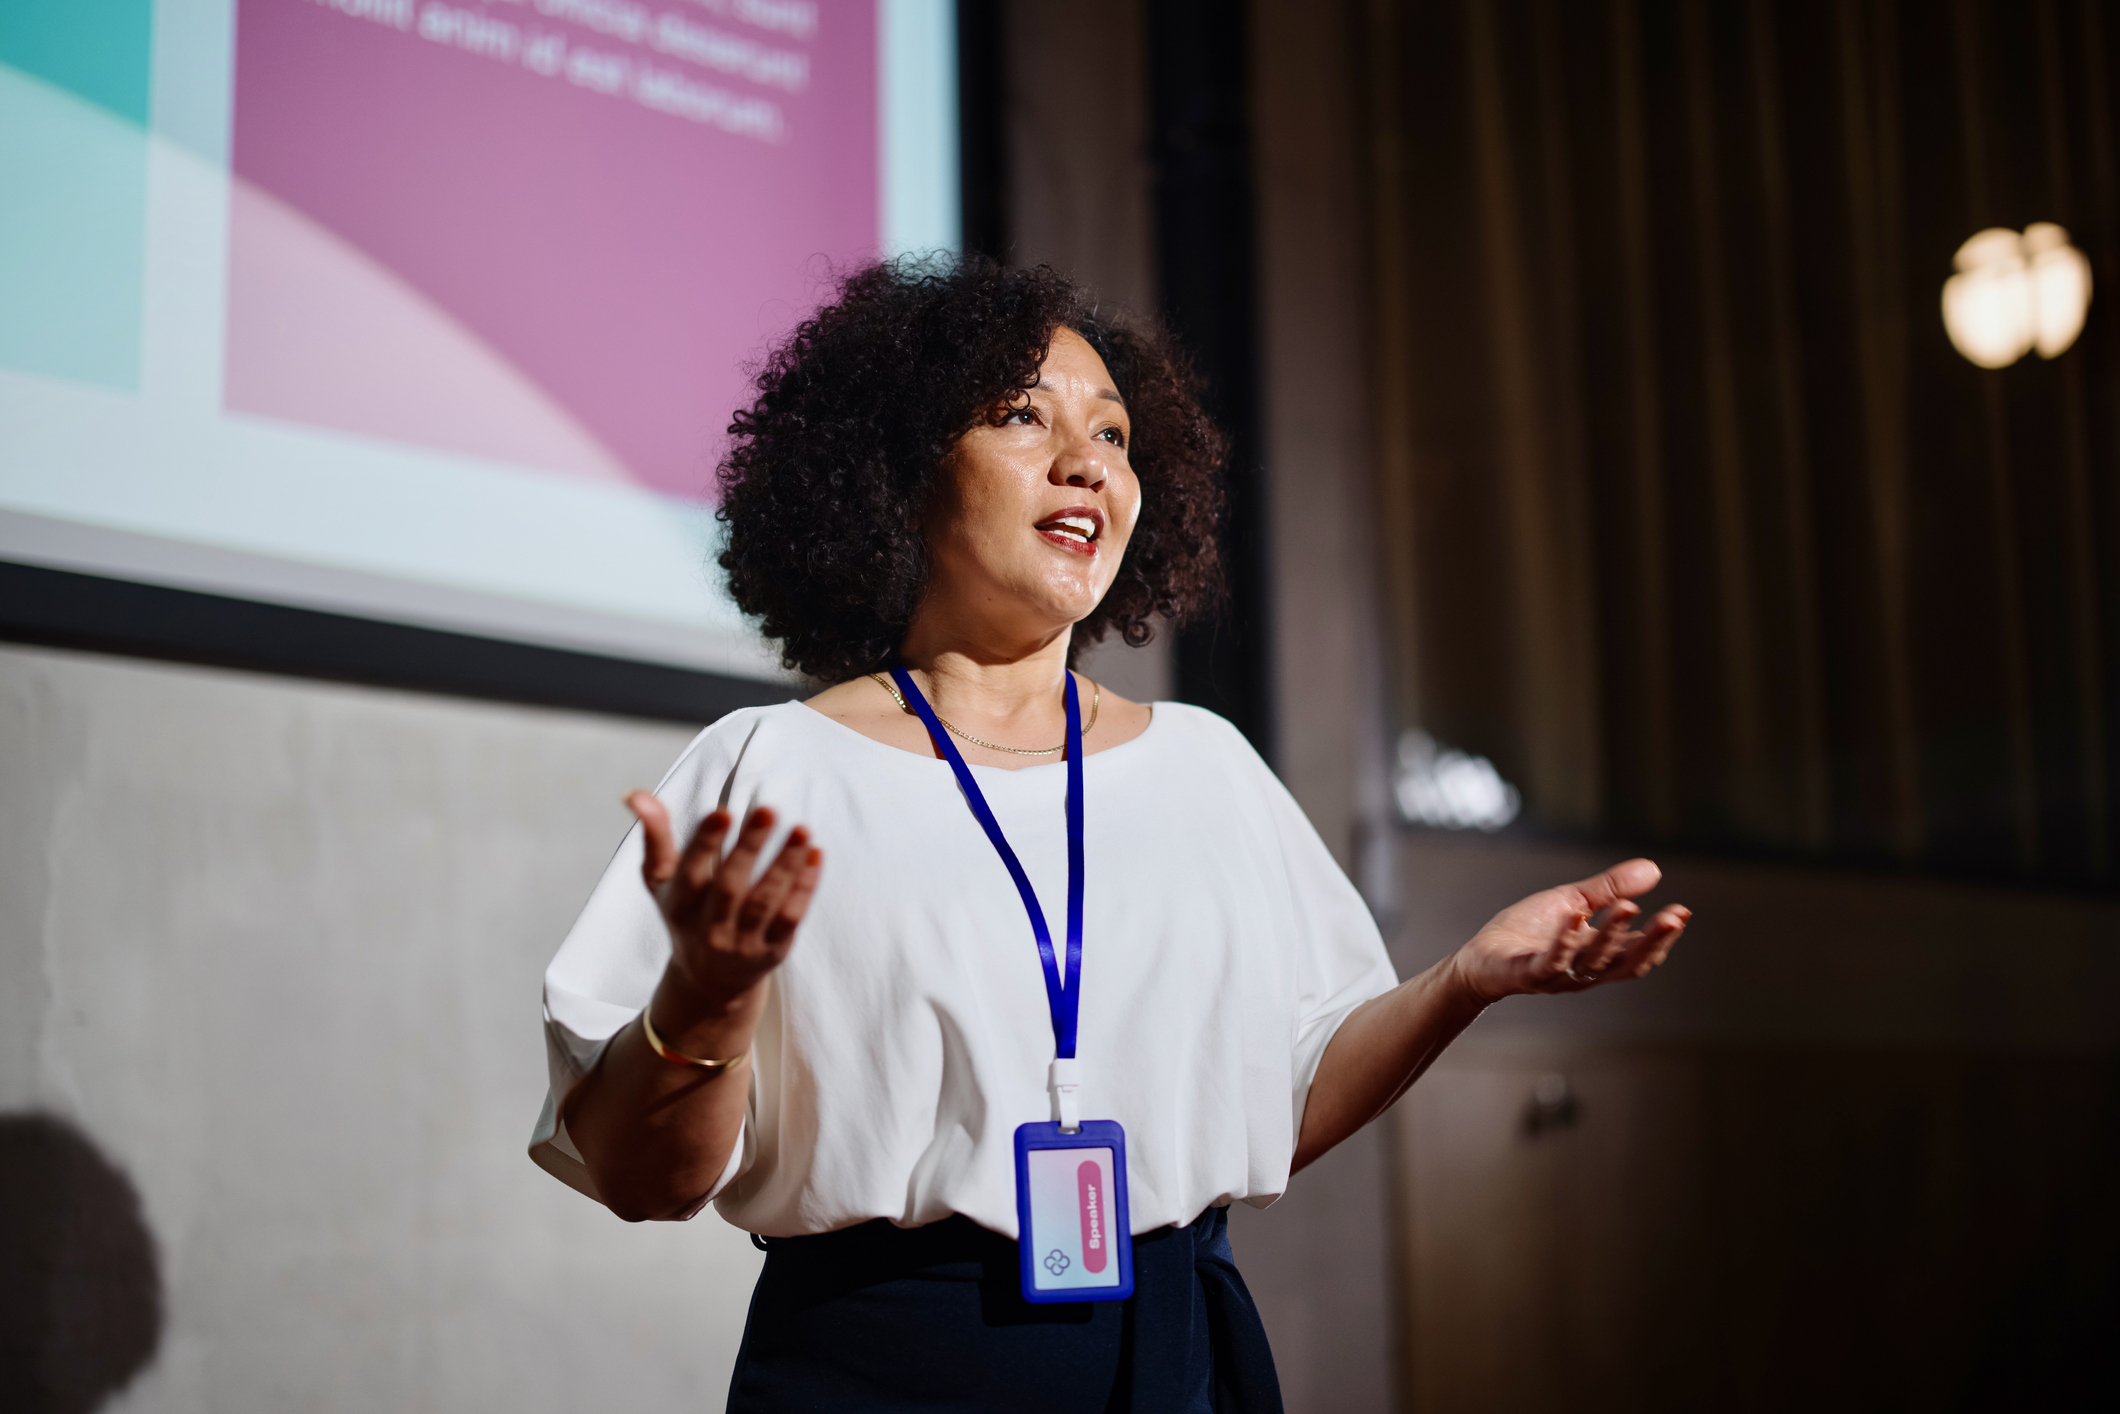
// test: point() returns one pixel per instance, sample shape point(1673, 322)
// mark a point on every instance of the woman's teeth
point(1081, 527)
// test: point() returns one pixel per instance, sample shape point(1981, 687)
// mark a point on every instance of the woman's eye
point(1114, 436)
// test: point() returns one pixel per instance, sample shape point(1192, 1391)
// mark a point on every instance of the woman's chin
point(1075, 609)
point(1060, 599)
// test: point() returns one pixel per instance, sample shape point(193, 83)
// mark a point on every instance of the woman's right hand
point(727, 931)
point(653, 1135)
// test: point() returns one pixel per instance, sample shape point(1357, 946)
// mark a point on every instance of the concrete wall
point(275, 947)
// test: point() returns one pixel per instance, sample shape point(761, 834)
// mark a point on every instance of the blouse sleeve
point(613, 956)
point(1340, 956)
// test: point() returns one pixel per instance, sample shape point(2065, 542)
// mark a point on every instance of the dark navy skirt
point(878, 1317)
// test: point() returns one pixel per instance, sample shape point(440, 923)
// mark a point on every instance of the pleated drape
point(1692, 518)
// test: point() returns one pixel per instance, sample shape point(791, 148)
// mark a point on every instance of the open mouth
point(1077, 529)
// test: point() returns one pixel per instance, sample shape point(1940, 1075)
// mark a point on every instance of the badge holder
point(1075, 1241)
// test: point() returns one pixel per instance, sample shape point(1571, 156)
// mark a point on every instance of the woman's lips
point(1075, 530)
point(1073, 544)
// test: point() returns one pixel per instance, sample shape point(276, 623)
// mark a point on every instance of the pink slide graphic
point(546, 232)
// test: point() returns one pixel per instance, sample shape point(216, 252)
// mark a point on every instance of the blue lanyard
point(1063, 999)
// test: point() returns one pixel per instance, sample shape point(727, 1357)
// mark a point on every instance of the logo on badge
point(1056, 1261)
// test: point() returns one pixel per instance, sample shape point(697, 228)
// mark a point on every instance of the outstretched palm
point(727, 930)
point(1552, 941)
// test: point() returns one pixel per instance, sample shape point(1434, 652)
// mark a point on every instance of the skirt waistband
point(867, 1310)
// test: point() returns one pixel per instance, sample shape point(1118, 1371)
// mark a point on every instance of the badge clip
point(1067, 1088)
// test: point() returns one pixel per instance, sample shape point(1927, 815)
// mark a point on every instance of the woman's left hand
point(1549, 942)
point(1546, 943)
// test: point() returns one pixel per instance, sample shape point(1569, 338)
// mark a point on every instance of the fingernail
point(816, 856)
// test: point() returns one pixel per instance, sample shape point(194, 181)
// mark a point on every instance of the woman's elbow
point(629, 1212)
point(622, 1190)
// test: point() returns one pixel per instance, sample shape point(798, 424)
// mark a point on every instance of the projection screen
point(434, 313)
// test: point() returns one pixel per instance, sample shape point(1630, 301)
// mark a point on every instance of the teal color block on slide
point(74, 90)
point(100, 50)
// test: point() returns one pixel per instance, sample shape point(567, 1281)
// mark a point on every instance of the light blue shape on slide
point(74, 96)
point(916, 43)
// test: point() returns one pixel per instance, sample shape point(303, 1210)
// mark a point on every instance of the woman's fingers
point(782, 925)
point(764, 898)
point(716, 904)
point(1547, 943)
point(1654, 942)
point(702, 856)
point(704, 863)
point(1616, 952)
point(1647, 947)
point(1611, 940)
point(1568, 938)
point(1574, 940)
point(1622, 881)
point(732, 876)
point(659, 856)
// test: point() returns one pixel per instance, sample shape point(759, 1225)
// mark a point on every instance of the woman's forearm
point(1382, 1047)
point(655, 1134)
point(1547, 943)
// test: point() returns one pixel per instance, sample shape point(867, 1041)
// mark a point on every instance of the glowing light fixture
point(1449, 789)
point(2013, 294)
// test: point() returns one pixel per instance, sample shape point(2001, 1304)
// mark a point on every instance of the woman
point(949, 483)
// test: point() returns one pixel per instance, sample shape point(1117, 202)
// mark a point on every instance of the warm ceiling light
point(2013, 294)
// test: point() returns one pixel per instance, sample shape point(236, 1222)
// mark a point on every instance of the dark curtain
point(1200, 145)
point(1694, 520)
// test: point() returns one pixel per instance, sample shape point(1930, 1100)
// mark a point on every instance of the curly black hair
point(828, 471)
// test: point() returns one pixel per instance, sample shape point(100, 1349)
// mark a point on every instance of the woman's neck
point(1006, 696)
point(981, 680)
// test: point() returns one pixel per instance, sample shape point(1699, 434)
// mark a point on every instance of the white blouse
point(908, 1035)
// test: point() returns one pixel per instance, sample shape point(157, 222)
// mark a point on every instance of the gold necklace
point(1096, 700)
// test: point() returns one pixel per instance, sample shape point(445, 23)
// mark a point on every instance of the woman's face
point(1039, 502)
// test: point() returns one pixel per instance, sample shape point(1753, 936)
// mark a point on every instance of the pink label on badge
point(1089, 1185)
point(1073, 1217)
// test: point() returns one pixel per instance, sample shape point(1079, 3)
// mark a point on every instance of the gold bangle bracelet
point(655, 1044)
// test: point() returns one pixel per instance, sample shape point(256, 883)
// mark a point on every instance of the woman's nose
point(1079, 466)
